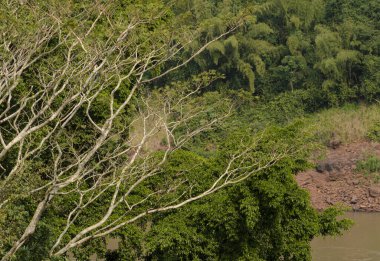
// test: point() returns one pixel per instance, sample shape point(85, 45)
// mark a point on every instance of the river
point(360, 243)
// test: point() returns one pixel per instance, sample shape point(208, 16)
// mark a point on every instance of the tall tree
point(74, 91)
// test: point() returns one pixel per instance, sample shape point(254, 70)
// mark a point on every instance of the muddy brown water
point(360, 243)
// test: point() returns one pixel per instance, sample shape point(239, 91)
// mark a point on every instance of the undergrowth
point(351, 123)
point(370, 167)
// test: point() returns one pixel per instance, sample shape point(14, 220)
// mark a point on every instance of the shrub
point(374, 132)
point(370, 167)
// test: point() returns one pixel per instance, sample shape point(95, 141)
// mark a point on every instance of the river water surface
point(360, 243)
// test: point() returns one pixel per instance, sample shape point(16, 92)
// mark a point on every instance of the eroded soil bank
point(335, 179)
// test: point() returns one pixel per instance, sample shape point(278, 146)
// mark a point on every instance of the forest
point(176, 127)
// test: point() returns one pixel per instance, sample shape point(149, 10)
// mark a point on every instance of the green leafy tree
point(266, 218)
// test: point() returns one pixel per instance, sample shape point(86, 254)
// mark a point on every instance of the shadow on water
point(360, 243)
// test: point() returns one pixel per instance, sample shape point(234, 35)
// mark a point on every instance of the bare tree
point(71, 73)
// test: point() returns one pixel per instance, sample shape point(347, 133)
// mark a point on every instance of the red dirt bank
point(337, 182)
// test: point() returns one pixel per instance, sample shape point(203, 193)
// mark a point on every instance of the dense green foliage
point(286, 59)
point(327, 48)
point(266, 218)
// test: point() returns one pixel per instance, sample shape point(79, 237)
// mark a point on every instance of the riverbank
point(336, 180)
